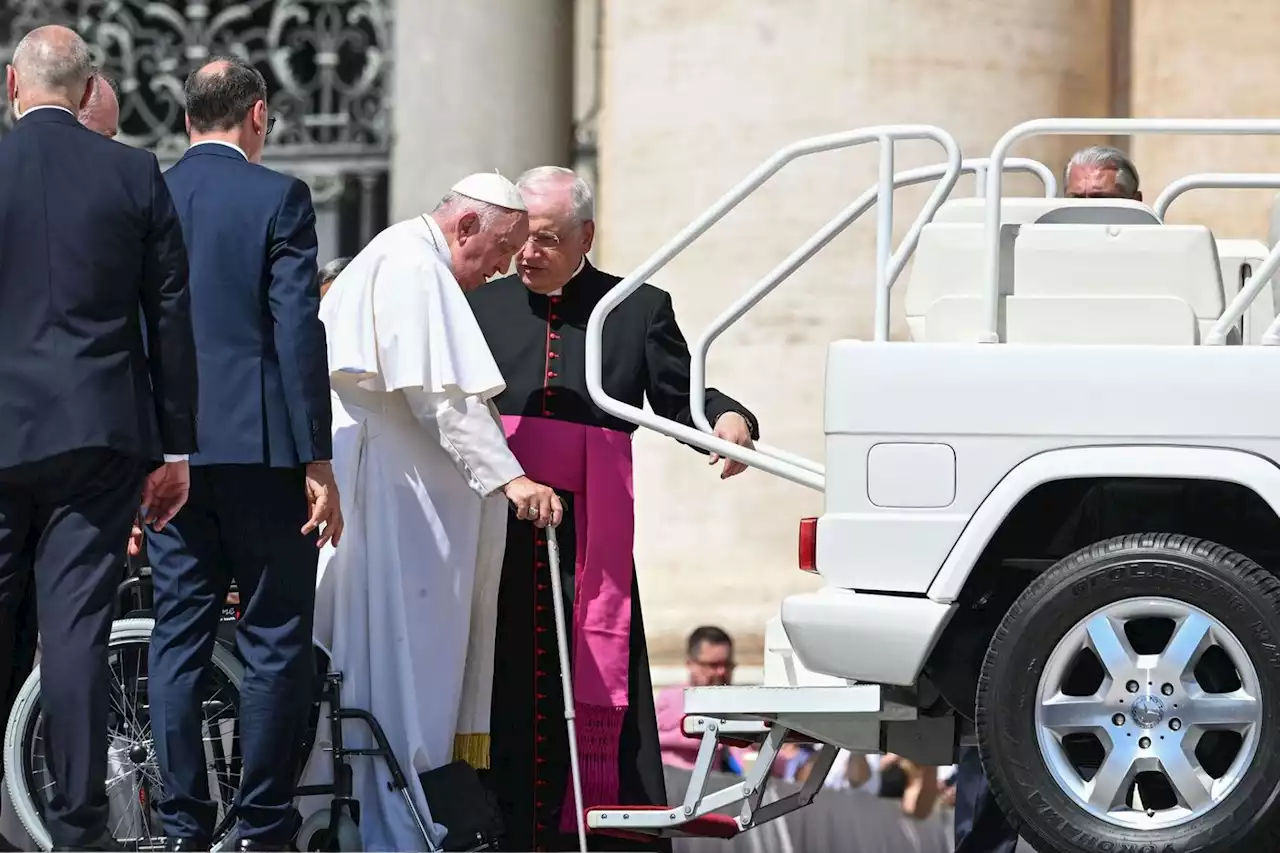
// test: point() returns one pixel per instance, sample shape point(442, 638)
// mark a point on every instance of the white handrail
point(1216, 181)
point(815, 244)
point(1217, 336)
point(781, 467)
point(1091, 127)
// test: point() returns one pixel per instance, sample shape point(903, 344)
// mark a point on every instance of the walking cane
point(553, 560)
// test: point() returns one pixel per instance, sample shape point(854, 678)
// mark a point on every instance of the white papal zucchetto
point(492, 188)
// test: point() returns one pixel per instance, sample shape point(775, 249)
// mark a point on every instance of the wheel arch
point(978, 582)
point(1250, 471)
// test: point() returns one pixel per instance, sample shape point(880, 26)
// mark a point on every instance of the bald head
point(102, 112)
point(50, 66)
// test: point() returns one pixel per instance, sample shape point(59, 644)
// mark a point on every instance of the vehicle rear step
point(753, 715)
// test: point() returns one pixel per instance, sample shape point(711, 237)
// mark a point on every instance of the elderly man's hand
point(732, 427)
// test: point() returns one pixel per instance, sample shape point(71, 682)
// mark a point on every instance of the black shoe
point(187, 844)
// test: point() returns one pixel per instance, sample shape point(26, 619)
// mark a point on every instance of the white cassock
point(406, 603)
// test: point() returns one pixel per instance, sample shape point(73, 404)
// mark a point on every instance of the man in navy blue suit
point(91, 419)
point(263, 497)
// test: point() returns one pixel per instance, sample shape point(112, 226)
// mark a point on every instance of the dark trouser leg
point(17, 646)
point(980, 825)
point(190, 581)
point(17, 601)
point(263, 510)
point(85, 503)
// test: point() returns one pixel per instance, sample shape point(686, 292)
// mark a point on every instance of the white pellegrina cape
point(406, 603)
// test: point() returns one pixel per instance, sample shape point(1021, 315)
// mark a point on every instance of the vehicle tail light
point(808, 544)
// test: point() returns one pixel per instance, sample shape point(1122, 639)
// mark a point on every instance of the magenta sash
point(595, 465)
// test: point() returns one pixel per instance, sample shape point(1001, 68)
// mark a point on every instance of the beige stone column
point(695, 95)
point(1207, 60)
point(479, 85)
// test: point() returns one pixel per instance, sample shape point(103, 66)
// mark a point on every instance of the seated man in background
point(1101, 171)
point(710, 663)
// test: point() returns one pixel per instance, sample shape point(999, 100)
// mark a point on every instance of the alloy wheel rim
point(1190, 712)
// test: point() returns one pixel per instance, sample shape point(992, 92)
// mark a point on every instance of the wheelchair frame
point(135, 599)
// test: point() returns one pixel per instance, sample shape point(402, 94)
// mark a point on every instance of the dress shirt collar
point(28, 112)
point(230, 145)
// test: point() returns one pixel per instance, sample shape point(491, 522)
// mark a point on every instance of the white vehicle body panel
point(999, 406)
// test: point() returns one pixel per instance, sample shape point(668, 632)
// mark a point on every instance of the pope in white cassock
point(405, 606)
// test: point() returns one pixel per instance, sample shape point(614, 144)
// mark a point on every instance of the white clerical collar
point(581, 264)
point(28, 112)
point(230, 145)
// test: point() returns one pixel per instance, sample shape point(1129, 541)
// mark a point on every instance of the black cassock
point(539, 343)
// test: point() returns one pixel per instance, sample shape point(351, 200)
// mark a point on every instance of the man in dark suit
point(263, 497)
point(87, 235)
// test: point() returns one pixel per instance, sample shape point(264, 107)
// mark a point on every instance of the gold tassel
point(472, 748)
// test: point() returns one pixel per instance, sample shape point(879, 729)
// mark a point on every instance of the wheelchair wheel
point(134, 786)
point(315, 836)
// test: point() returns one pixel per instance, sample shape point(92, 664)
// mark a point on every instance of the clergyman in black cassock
point(535, 324)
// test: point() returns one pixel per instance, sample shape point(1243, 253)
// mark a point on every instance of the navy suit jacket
point(87, 234)
point(251, 236)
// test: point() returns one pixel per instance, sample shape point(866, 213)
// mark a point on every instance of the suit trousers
point(17, 647)
point(64, 523)
point(241, 523)
point(981, 826)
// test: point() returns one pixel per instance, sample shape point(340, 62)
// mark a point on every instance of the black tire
point(1229, 587)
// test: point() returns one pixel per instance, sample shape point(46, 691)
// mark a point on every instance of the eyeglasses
point(271, 122)
point(713, 664)
point(544, 240)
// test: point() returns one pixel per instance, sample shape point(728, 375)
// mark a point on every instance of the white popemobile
point(1047, 516)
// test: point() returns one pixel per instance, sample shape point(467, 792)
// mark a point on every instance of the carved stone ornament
point(327, 65)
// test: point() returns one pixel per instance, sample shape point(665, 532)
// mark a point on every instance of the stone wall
point(1207, 60)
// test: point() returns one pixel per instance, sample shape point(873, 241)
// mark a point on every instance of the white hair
point(53, 58)
point(582, 203)
point(456, 204)
point(1106, 157)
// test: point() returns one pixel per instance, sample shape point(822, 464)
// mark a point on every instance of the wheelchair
point(134, 785)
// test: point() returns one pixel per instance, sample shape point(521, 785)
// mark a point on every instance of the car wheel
point(1128, 701)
